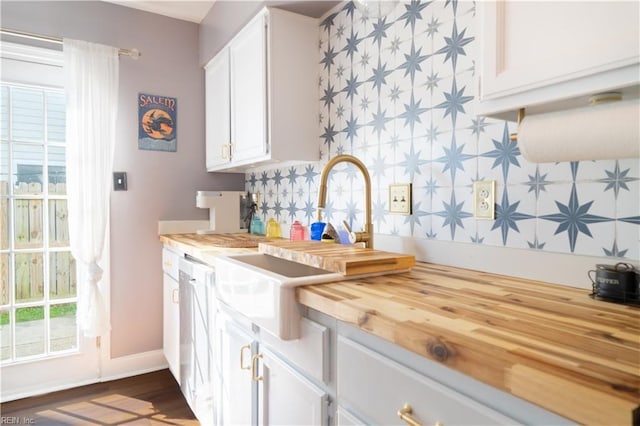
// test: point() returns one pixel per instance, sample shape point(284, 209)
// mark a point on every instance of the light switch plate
point(119, 181)
point(400, 198)
point(484, 194)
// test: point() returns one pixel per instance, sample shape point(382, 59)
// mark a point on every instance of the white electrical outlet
point(400, 198)
point(484, 193)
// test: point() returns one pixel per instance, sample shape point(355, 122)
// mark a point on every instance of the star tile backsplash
point(398, 92)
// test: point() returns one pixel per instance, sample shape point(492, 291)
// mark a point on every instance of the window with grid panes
point(38, 294)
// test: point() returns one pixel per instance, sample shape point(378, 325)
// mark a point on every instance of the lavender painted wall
point(161, 185)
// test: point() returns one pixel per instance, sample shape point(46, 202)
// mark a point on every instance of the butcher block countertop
point(551, 345)
point(548, 344)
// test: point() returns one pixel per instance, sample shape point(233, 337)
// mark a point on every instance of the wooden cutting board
point(344, 259)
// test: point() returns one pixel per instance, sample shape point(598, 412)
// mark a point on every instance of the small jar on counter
point(297, 231)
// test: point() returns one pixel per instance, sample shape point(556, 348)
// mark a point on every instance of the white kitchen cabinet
point(171, 312)
point(237, 395)
point(218, 124)
point(377, 387)
point(260, 384)
point(547, 56)
point(286, 397)
point(261, 94)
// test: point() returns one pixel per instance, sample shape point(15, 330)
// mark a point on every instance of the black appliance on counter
point(616, 283)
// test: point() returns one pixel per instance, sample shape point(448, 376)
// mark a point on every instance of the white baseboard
point(132, 365)
point(13, 388)
point(557, 268)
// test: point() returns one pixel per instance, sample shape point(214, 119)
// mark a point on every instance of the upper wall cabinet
point(548, 56)
point(262, 96)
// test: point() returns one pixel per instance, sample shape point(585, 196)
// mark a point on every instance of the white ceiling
point(187, 10)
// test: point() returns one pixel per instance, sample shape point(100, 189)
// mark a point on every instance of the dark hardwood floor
point(148, 399)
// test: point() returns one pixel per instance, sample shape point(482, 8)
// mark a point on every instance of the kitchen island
point(550, 345)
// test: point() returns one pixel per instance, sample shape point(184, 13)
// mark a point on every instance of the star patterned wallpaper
point(398, 93)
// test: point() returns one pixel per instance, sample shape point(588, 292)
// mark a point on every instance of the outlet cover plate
point(484, 194)
point(400, 198)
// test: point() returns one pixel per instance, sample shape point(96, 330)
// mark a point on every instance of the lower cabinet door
point(288, 398)
point(171, 325)
point(237, 396)
point(345, 418)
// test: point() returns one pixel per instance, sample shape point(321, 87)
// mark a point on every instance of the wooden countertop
point(551, 345)
point(548, 344)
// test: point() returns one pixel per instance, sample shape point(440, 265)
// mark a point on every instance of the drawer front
point(170, 262)
point(310, 353)
point(378, 387)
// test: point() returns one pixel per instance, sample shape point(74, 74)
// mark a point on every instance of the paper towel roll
point(598, 132)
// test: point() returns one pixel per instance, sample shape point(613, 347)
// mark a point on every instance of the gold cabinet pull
point(242, 367)
point(254, 368)
point(175, 296)
point(405, 414)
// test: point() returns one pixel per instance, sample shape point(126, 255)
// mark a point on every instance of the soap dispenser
point(273, 228)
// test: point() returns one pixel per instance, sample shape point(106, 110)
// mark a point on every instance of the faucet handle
point(352, 235)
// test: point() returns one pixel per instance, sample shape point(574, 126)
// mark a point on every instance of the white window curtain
point(91, 86)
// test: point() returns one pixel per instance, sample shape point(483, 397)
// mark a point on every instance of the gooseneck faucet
point(366, 235)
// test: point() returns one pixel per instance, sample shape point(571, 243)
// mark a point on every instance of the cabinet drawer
point(310, 352)
point(170, 262)
point(376, 387)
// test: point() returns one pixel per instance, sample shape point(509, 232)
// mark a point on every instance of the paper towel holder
point(521, 114)
point(596, 99)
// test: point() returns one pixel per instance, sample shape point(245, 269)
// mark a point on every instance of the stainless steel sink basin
point(262, 287)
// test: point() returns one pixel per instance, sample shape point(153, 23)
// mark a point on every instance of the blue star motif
point(454, 102)
point(328, 58)
point(352, 44)
point(536, 245)
point(432, 81)
point(431, 187)
point(414, 218)
point(292, 176)
point(379, 120)
point(328, 22)
point(292, 209)
point(277, 209)
point(573, 218)
point(506, 152)
point(277, 177)
point(478, 125)
point(264, 178)
point(378, 168)
point(507, 216)
point(412, 13)
point(378, 212)
point(329, 135)
point(455, 45)
point(364, 59)
point(329, 94)
point(352, 211)
point(252, 180)
point(635, 220)
point(454, 4)
point(453, 214)
point(614, 252)
point(412, 113)
point(412, 61)
point(327, 211)
point(394, 93)
point(380, 74)
point(477, 239)
point(537, 182)
point(264, 208)
point(309, 209)
point(412, 162)
point(453, 158)
point(352, 127)
point(352, 85)
point(432, 27)
point(432, 133)
point(380, 30)
point(617, 180)
point(395, 45)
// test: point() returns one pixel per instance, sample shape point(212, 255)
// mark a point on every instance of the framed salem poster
point(157, 122)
